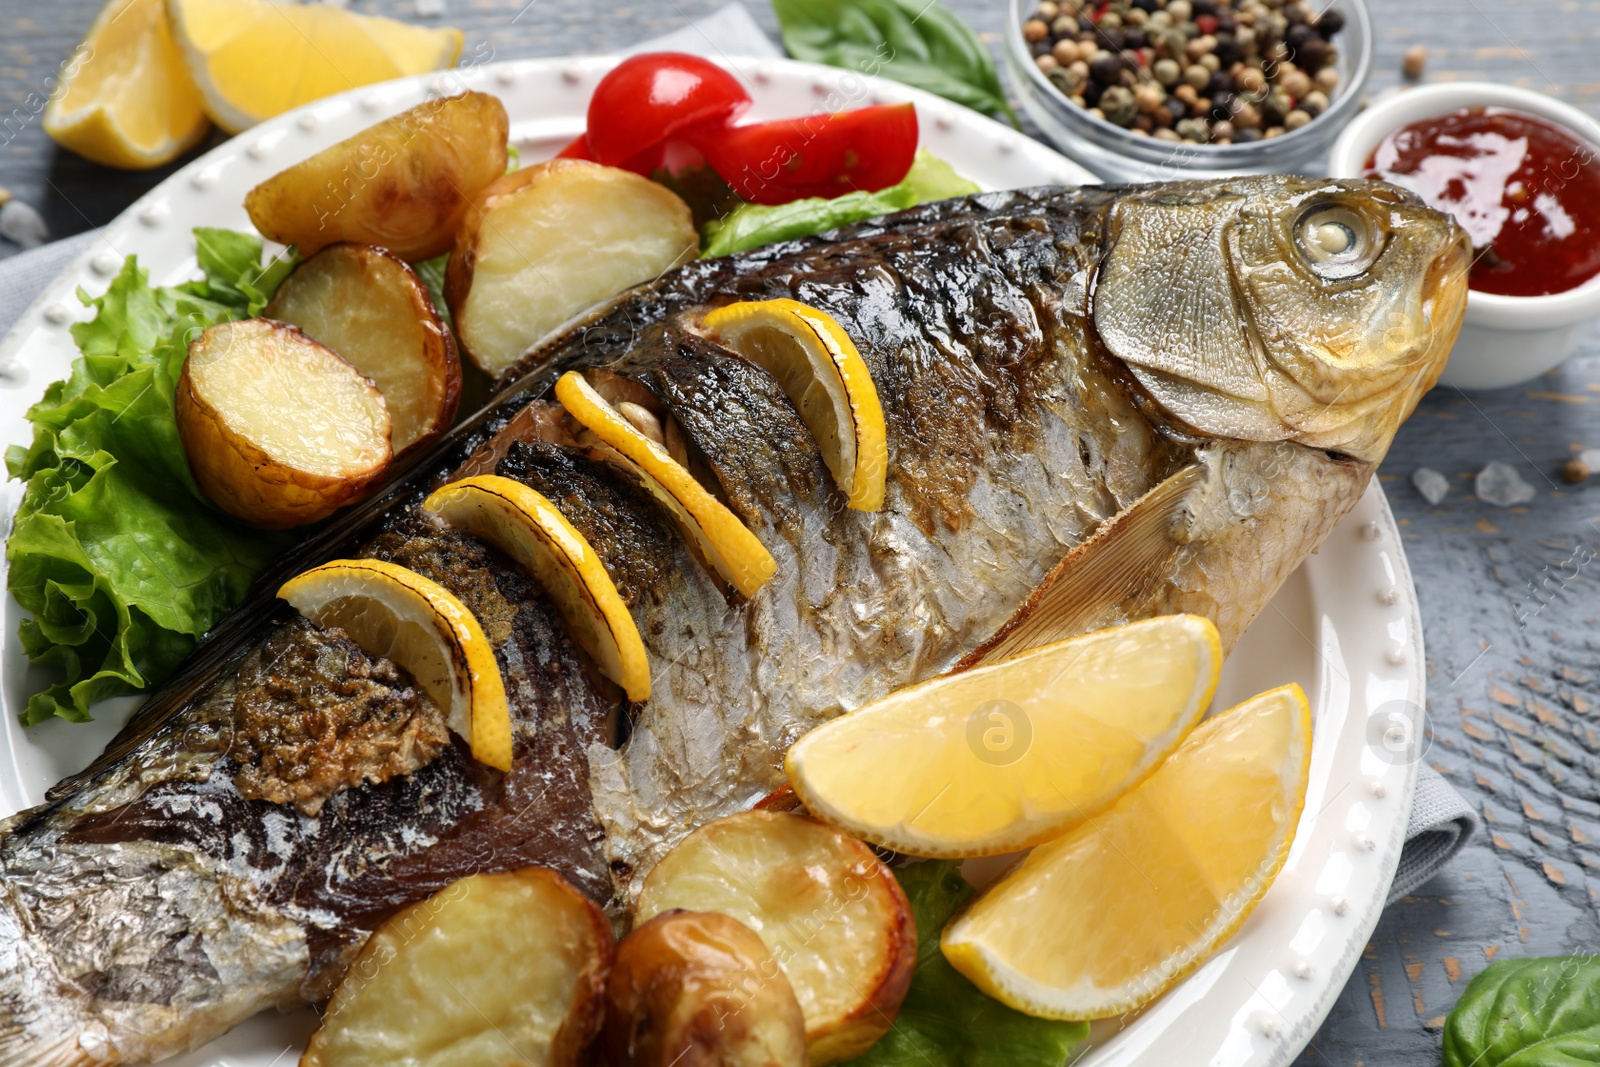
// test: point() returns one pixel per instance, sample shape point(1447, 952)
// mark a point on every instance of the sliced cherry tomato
point(647, 98)
point(820, 155)
point(578, 149)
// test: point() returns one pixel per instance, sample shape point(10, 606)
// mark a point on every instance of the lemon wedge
point(396, 613)
point(998, 758)
point(1103, 920)
point(819, 368)
point(532, 531)
point(254, 59)
point(125, 98)
point(736, 553)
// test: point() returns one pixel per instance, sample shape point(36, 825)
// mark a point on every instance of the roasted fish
point(1101, 403)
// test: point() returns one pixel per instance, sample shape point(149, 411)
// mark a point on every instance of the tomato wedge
point(646, 99)
point(828, 155)
point(578, 149)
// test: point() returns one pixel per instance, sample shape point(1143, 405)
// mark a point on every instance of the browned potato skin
point(246, 482)
point(876, 1014)
point(697, 989)
point(360, 266)
point(403, 184)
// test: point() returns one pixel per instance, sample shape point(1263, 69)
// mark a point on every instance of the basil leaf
point(917, 42)
point(1540, 1012)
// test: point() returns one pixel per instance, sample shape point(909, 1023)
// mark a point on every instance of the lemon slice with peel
point(396, 613)
point(125, 98)
point(998, 758)
point(531, 530)
point(1105, 919)
point(253, 59)
point(819, 368)
point(736, 553)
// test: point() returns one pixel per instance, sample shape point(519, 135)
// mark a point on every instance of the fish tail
point(42, 1025)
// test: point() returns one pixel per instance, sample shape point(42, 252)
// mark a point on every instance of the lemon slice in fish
point(532, 531)
point(1004, 756)
point(726, 543)
point(818, 366)
point(396, 613)
point(1103, 920)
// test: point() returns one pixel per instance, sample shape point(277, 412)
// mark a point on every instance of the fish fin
point(1121, 558)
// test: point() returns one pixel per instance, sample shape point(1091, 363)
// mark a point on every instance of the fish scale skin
point(1011, 436)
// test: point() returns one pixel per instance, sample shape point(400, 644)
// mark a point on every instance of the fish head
point(1278, 308)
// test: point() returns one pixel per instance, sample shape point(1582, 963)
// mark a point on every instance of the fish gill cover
point(120, 559)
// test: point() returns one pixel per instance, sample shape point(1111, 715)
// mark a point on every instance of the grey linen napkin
point(1441, 821)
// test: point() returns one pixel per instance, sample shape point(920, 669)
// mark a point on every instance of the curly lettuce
point(945, 1020)
point(115, 552)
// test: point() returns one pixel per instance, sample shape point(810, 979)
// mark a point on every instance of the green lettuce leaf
point(945, 1021)
point(121, 560)
point(753, 225)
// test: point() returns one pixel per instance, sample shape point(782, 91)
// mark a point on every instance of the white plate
point(1345, 626)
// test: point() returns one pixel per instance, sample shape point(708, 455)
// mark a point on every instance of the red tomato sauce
point(1527, 192)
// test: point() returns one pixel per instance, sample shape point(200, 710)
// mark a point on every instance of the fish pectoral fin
point(1129, 553)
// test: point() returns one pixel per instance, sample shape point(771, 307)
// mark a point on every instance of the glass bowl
point(1118, 155)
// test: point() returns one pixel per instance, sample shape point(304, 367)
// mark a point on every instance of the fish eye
point(1335, 241)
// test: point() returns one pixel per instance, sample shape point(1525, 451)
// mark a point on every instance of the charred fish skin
point(1022, 419)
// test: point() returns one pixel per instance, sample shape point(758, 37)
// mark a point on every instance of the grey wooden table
point(1508, 596)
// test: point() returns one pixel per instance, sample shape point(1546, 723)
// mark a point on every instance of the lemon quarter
point(736, 553)
point(1103, 920)
point(531, 530)
point(396, 613)
point(997, 758)
point(253, 59)
point(125, 98)
point(817, 364)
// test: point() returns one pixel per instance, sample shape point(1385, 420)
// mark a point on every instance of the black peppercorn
point(1202, 7)
point(1227, 50)
point(1111, 40)
point(1134, 37)
point(1086, 24)
point(1219, 83)
point(1222, 104)
point(1091, 93)
point(1313, 55)
point(1298, 35)
point(1330, 23)
point(1246, 136)
point(1151, 6)
point(1105, 68)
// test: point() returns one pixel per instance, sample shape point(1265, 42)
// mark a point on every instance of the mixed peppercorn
point(1196, 71)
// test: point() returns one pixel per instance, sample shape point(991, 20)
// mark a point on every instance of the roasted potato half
point(505, 969)
point(546, 242)
point(367, 305)
point(403, 184)
point(698, 989)
point(279, 430)
point(827, 908)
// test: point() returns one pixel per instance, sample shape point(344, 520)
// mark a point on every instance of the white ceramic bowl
point(1505, 340)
